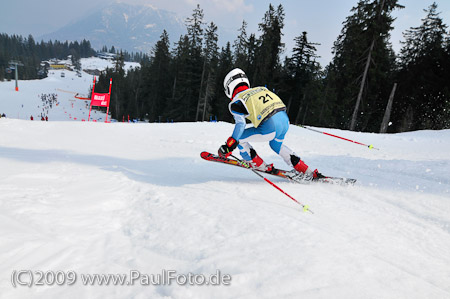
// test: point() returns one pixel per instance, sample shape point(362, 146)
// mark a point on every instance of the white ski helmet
point(233, 79)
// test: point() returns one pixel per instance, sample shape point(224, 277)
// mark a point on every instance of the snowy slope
point(99, 198)
point(28, 100)
point(102, 64)
point(111, 198)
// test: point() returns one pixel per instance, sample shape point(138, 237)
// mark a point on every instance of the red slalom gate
point(100, 100)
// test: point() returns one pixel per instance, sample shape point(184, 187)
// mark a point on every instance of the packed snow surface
point(110, 198)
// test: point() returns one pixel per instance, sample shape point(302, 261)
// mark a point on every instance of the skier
point(270, 122)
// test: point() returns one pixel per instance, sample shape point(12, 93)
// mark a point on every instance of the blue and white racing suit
point(272, 128)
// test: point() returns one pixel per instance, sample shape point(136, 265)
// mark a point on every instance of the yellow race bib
point(260, 103)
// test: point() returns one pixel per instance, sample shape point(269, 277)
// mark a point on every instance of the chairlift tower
point(16, 64)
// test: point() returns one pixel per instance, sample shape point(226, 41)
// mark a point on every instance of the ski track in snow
point(110, 198)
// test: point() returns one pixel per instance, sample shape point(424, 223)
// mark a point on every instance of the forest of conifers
point(366, 86)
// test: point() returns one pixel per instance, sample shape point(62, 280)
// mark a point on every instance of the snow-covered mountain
point(124, 26)
point(85, 198)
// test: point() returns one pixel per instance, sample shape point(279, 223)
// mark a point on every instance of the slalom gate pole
point(305, 207)
point(325, 133)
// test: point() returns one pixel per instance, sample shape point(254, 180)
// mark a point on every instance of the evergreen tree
point(75, 59)
point(157, 82)
point(423, 76)
point(119, 63)
point(189, 81)
point(120, 93)
point(241, 46)
point(207, 85)
point(268, 60)
point(220, 104)
point(253, 47)
point(362, 66)
point(302, 74)
point(181, 103)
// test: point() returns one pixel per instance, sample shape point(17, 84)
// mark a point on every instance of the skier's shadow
point(180, 171)
point(176, 171)
point(171, 171)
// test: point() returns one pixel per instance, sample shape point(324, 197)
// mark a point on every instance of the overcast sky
point(322, 19)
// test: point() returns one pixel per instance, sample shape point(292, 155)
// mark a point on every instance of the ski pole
point(317, 131)
point(305, 207)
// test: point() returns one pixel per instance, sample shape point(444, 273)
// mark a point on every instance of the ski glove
point(226, 149)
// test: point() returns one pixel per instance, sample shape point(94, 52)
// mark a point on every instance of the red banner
point(100, 99)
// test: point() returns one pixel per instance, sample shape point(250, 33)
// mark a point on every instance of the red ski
point(292, 175)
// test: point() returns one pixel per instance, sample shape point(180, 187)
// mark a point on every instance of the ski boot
point(303, 172)
point(258, 164)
